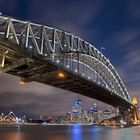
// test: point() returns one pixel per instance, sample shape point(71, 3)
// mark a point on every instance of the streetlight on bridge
point(61, 74)
point(21, 82)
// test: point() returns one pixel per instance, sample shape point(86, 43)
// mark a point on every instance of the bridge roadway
point(39, 53)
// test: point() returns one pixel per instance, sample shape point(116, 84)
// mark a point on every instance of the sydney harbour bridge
point(54, 57)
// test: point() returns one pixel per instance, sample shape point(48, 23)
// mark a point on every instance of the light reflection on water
point(95, 132)
point(13, 136)
point(74, 132)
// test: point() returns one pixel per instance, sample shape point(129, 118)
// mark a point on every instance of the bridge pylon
point(135, 110)
point(2, 62)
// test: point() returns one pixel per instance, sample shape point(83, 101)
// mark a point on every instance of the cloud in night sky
point(34, 98)
point(114, 25)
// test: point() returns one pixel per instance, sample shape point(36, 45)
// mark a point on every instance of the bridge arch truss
point(65, 49)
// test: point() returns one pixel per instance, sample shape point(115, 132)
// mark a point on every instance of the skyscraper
point(77, 111)
point(95, 112)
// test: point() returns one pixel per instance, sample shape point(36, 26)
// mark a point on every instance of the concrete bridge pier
point(135, 115)
point(129, 115)
point(2, 62)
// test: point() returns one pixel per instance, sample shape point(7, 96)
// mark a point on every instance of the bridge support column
point(2, 62)
point(135, 115)
point(127, 115)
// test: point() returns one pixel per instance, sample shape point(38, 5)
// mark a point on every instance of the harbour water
point(75, 132)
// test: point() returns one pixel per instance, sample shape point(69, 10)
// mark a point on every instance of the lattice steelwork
point(64, 49)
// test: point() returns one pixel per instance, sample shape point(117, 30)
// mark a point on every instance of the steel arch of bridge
point(56, 44)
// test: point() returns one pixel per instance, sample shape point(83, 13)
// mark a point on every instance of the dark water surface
point(75, 132)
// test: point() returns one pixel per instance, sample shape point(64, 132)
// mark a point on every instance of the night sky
point(112, 24)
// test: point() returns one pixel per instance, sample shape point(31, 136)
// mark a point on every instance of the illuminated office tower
point(106, 114)
point(77, 111)
point(69, 117)
point(100, 115)
point(78, 107)
point(85, 116)
point(91, 115)
point(110, 110)
point(95, 112)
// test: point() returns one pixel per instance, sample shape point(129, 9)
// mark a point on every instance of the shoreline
point(64, 125)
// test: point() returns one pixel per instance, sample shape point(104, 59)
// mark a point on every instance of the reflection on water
point(16, 135)
point(95, 132)
point(75, 132)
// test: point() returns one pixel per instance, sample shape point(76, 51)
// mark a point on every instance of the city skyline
point(77, 107)
point(99, 22)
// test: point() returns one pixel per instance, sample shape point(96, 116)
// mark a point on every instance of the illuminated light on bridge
point(134, 101)
point(61, 74)
point(11, 37)
point(21, 82)
point(30, 47)
point(89, 77)
point(57, 61)
point(68, 66)
point(83, 74)
point(76, 70)
point(36, 53)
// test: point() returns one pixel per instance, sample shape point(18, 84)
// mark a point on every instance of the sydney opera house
point(8, 119)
